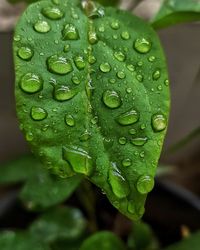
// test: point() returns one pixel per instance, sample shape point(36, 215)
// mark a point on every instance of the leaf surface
point(104, 240)
point(92, 96)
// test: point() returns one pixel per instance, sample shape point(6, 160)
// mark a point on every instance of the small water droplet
point(139, 77)
point(94, 120)
point(140, 63)
point(159, 122)
point(125, 35)
point(85, 136)
point(115, 36)
point(17, 38)
point(145, 184)
point(131, 207)
point(66, 48)
point(79, 62)
point(105, 67)
point(91, 59)
point(115, 25)
point(38, 113)
point(122, 140)
point(156, 74)
point(59, 65)
point(126, 162)
point(142, 154)
point(117, 182)
point(119, 56)
point(53, 13)
point(129, 90)
point(42, 26)
point(92, 37)
point(142, 45)
point(132, 131)
point(70, 32)
point(69, 120)
point(64, 93)
point(112, 80)
point(101, 29)
point(111, 99)
point(25, 53)
point(152, 58)
point(128, 118)
point(31, 83)
point(131, 67)
point(143, 126)
point(121, 74)
point(76, 80)
point(29, 136)
point(159, 87)
point(166, 82)
point(139, 141)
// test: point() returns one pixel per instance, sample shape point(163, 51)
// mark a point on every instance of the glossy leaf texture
point(92, 96)
point(175, 11)
point(103, 240)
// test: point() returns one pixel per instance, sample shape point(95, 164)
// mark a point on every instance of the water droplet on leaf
point(156, 74)
point(140, 141)
point(126, 162)
point(119, 56)
point(59, 65)
point(79, 62)
point(25, 53)
point(105, 67)
point(142, 45)
point(42, 26)
point(128, 118)
point(145, 184)
point(70, 32)
point(53, 13)
point(69, 120)
point(38, 113)
point(64, 93)
point(159, 122)
point(31, 83)
point(111, 99)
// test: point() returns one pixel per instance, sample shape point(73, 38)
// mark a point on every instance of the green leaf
point(192, 242)
point(19, 170)
point(142, 237)
point(26, 1)
point(92, 96)
point(20, 241)
point(175, 12)
point(108, 3)
point(62, 223)
point(45, 190)
point(103, 240)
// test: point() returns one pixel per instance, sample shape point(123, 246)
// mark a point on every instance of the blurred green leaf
point(20, 241)
point(44, 190)
point(61, 223)
point(142, 237)
point(108, 3)
point(66, 245)
point(176, 11)
point(25, 1)
point(190, 243)
point(103, 241)
point(19, 170)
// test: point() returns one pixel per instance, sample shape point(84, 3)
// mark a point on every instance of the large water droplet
point(79, 159)
point(64, 93)
point(128, 118)
point(53, 13)
point(70, 32)
point(156, 74)
point(59, 65)
point(139, 141)
point(105, 67)
point(69, 120)
point(25, 53)
point(119, 56)
point(159, 122)
point(142, 45)
point(111, 99)
point(126, 162)
point(79, 62)
point(145, 184)
point(31, 83)
point(117, 182)
point(42, 26)
point(38, 113)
